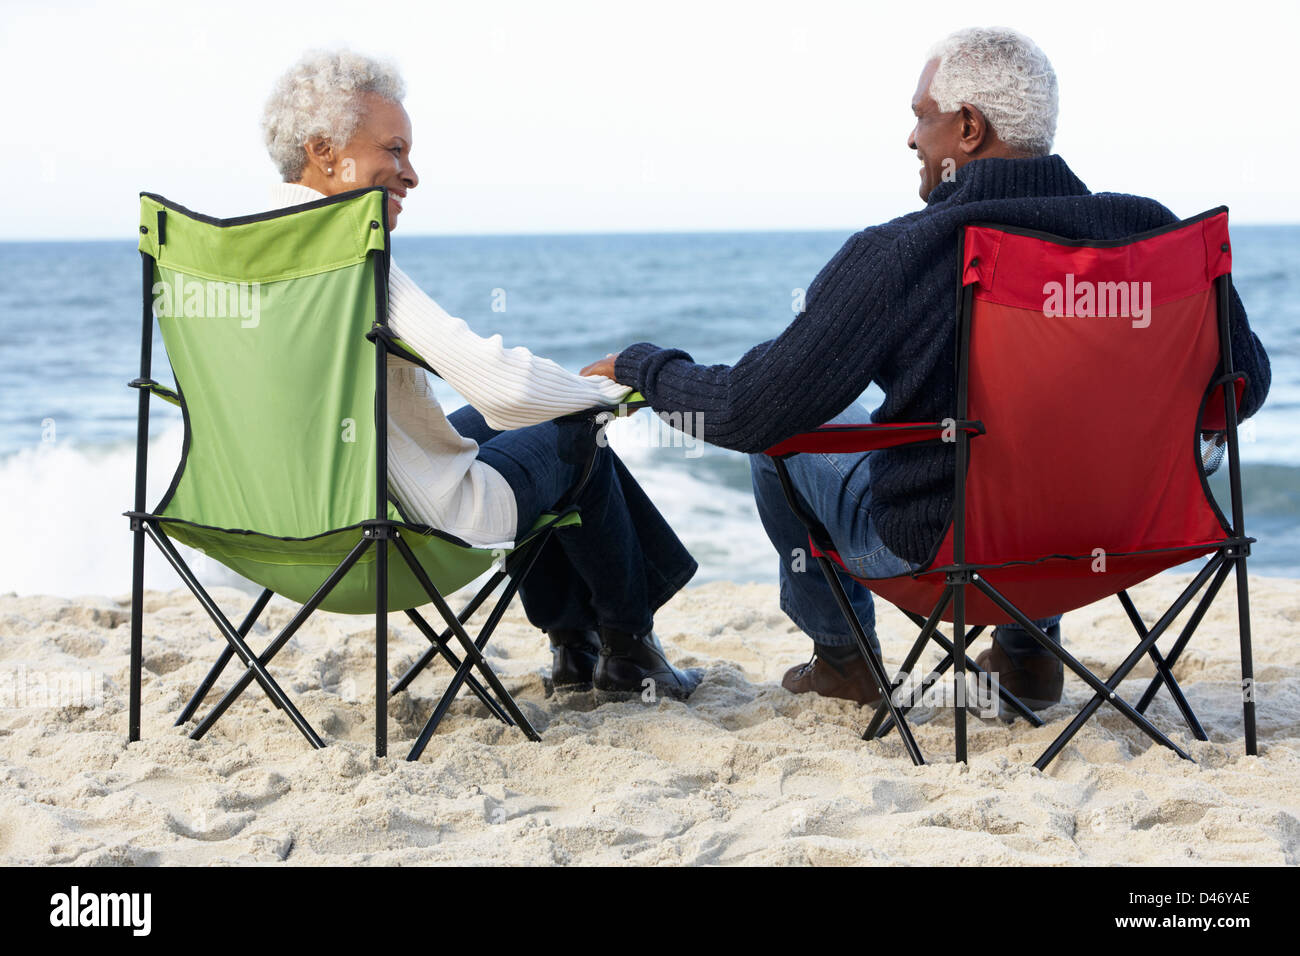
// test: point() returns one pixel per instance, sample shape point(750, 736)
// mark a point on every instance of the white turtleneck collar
point(293, 194)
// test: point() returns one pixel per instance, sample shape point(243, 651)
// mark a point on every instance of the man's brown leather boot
point(850, 680)
point(1036, 679)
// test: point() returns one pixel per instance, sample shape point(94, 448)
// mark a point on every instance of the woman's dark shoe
point(628, 661)
point(573, 656)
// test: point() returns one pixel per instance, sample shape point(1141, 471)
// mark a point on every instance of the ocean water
point(69, 323)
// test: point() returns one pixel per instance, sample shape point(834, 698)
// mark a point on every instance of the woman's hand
point(603, 367)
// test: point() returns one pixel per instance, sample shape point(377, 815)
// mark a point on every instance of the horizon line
point(584, 232)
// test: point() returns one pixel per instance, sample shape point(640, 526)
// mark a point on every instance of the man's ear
point(974, 129)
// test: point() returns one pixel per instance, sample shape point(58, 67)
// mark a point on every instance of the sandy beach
point(744, 773)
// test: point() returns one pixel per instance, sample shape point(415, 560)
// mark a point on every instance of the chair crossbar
point(256, 668)
point(877, 729)
point(223, 659)
point(1185, 637)
point(473, 649)
point(281, 639)
point(439, 642)
point(927, 628)
point(1104, 692)
point(1163, 670)
point(1107, 690)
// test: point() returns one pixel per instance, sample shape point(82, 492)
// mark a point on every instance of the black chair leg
point(959, 669)
point(927, 626)
point(137, 632)
point(1010, 699)
point(1247, 659)
point(381, 647)
point(873, 660)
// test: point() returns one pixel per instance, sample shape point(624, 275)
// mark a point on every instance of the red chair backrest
point(1088, 363)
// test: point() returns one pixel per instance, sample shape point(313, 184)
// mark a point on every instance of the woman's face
point(379, 154)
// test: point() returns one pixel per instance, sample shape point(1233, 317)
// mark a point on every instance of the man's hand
point(603, 367)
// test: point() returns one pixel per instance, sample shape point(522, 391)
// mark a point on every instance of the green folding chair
point(276, 329)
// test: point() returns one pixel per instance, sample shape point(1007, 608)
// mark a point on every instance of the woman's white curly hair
point(1007, 77)
point(320, 95)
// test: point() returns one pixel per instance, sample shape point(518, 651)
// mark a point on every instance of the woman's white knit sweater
point(432, 470)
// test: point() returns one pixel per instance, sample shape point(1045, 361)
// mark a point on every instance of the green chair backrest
point(264, 319)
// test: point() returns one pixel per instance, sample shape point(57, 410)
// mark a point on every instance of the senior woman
point(486, 472)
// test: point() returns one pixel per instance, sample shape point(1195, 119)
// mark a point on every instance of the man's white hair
point(320, 95)
point(1006, 77)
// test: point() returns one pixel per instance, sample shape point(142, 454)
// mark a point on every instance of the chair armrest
point(839, 439)
point(630, 403)
point(402, 350)
point(166, 394)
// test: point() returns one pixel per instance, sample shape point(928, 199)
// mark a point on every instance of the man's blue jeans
point(837, 489)
point(620, 566)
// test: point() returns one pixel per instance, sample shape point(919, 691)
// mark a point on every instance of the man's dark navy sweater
point(882, 310)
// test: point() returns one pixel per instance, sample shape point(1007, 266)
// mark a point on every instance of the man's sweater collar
point(1009, 179)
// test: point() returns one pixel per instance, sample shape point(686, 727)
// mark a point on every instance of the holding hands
point(603, 366)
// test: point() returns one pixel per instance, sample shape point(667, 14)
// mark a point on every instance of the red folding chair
point(1082, 370)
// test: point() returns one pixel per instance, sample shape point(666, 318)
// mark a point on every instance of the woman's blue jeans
point(837, 489)
point(615, 570)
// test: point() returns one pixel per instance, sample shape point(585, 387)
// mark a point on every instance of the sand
point(745, 773)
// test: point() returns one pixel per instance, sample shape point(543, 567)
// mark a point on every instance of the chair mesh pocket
point(1213, 447)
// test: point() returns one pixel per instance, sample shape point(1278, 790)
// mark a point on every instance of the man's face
point(936, 136)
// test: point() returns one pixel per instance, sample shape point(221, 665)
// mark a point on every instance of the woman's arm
point(511, 388)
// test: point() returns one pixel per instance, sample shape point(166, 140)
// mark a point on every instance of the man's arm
point(1248, 356)
point(802, 378)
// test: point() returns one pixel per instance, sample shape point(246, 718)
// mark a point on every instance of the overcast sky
point(621, 116)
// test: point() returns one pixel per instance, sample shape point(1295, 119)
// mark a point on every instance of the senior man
point(881, 311)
